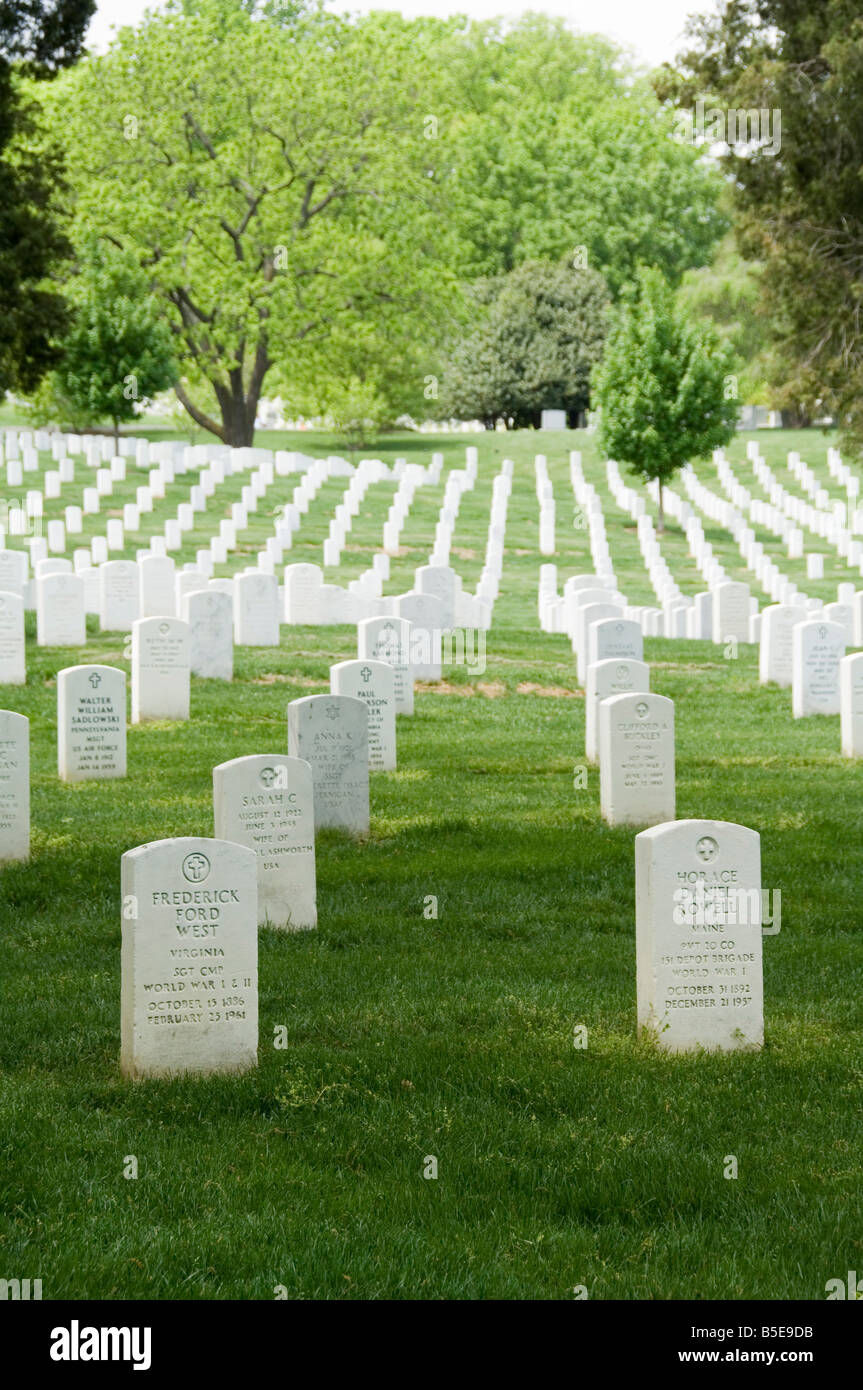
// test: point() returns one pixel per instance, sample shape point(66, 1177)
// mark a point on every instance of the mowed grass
point(411, 1037)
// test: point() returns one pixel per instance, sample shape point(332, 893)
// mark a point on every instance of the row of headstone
point(110, 588)
point(721, 613)
point(837, 523)
point(199, 901)
point(341, 736)
point(251, 608)
point(698, 883)
point(191, 906)
point(594, 517)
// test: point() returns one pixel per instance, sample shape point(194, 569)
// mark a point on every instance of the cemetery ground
point(410, 1036)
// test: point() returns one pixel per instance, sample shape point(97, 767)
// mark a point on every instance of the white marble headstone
point(302, 586)
point(266, 801)
point(585, 617)
point(698, 936)
point(388, 639)
point(775, 643)
point(60, 620)
point(156, 576)
point(189, 958)
point(636, 759)
point(817, 649)
point(604, 679)
point(91, 723)
point(119, 598)
point(731, 611)
point(374, 683)
point(187, 582)
point(577, 598)
point(14, 785)
point(423, 612)
point(210, 616)
point(256, 610)
point(13, 571)
point(161, 649)
point(443, 583)
point(617, 637)
point(13, 663)
point(851, 704)
point(331, 733)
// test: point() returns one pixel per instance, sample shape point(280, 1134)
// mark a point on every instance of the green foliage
point(357, 408)
point(560, 147)
point(118, 351)
point(276, 179)
point(360, 368)
point(539, 338)
point(43, 35)
point(663, 385)
point(38, 38)
point(728, 294)
point(304, 188)
point(33, 247)
point(798, 193)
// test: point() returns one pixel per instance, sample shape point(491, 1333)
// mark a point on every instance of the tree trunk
point(117, 435)
point(238, 417)
point(660, 523)
point(238, 403)
point(237, 409)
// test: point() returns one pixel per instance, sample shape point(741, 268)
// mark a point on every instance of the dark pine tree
point(36, 38)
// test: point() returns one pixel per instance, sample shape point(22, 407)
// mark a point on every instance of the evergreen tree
point(37, 38)
point(539, 338)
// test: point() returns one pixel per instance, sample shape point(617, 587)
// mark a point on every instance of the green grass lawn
point(411, 1037)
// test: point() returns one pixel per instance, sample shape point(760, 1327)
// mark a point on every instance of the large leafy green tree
point(119, 349)
point(273, 176)
point(661, 385)
point(798, 192)
point(538, 341)
point(36, 38)
point(558, 146)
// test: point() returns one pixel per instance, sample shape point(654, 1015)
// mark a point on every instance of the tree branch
point(199, 416)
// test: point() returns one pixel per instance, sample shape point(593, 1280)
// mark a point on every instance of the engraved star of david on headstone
point(332, 711)
point(95, 679)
